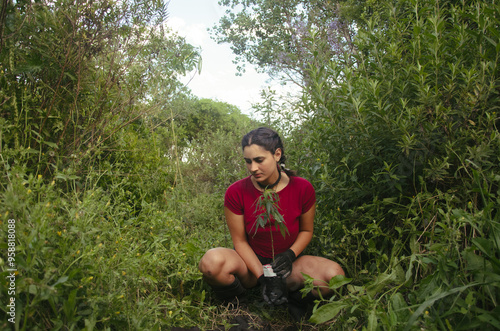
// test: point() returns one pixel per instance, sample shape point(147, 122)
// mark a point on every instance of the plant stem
point(272, 244)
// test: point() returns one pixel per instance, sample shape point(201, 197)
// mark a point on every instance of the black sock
point(299, 306)
point(297, 297)
point(229, 291)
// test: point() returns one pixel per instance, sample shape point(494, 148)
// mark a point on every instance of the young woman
point(231, 271)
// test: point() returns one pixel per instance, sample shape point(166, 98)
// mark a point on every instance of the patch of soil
point(252, 314)
point(257, 318)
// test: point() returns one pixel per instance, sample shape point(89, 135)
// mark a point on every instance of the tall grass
point(86, 261)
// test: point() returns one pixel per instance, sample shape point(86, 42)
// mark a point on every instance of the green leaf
point(372, 321)
point(486, 246)
point(60, 280)
point(430, 301)
point(51, 144)
point(338, 281)
point(490, 319)
point(69, 306)
point(409, 272)
point(400, 307)
point(380, 282)
point(32, 289)
point(327, 312)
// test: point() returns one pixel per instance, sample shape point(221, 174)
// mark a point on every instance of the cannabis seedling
point(267, 206)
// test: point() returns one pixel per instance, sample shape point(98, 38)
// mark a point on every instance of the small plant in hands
point(268, 202)
point(273, 279)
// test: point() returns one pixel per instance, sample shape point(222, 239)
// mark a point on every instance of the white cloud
point(176, 23)
point(195, 34)
point(218, 80)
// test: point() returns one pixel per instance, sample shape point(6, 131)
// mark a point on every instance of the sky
point(217, 81)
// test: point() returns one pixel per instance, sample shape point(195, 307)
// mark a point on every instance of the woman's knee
point(212, 262)
point(320, 269)
point(331, 270)
point(334, 270)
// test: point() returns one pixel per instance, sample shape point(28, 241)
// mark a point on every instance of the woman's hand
point(282, 264)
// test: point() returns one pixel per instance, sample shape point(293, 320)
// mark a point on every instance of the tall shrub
point(74, 73)
point(405, 144)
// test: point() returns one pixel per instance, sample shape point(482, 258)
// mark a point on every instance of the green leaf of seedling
point(283, 230)
point(269, 206)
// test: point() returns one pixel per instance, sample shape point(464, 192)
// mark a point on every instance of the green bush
point(403, 150)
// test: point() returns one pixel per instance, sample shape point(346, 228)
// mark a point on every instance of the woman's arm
point(306, 227)
point(236, 225)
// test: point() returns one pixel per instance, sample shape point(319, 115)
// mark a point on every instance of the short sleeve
point(233, 199)
point(309, 196)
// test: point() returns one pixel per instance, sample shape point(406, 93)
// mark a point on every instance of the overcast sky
point(217, 80)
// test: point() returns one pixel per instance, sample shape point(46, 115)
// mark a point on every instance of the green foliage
point(275, 34)
point(94, 147)
point(268, 211)
point(87, 262)
point(118, 245)
point(204, 115)
point(405, 146)
point(209, 144)
point(115, 175)
point(73, 74)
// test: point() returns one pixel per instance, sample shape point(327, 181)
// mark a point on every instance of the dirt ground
point(257, 316)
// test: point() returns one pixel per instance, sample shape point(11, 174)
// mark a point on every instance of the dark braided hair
point(270, 141)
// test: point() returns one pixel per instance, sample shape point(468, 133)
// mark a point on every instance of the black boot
point(299, 307)
point(233, 293)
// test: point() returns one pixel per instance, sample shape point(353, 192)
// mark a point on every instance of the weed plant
point(268, 211)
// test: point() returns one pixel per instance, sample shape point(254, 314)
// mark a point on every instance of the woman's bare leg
point(319, 268)
point(219, 267)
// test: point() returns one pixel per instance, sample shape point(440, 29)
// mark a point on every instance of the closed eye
point(257, 159)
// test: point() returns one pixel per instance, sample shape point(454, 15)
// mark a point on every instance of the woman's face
point(262, 163)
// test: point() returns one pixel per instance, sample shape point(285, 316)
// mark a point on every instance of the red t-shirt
point(294, 200)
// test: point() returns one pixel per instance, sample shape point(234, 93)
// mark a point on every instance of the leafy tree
point(285, 38)
point(209, 139)
point(404, 140)
point(207, 116)
point(75, 73)
point(92, 119)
